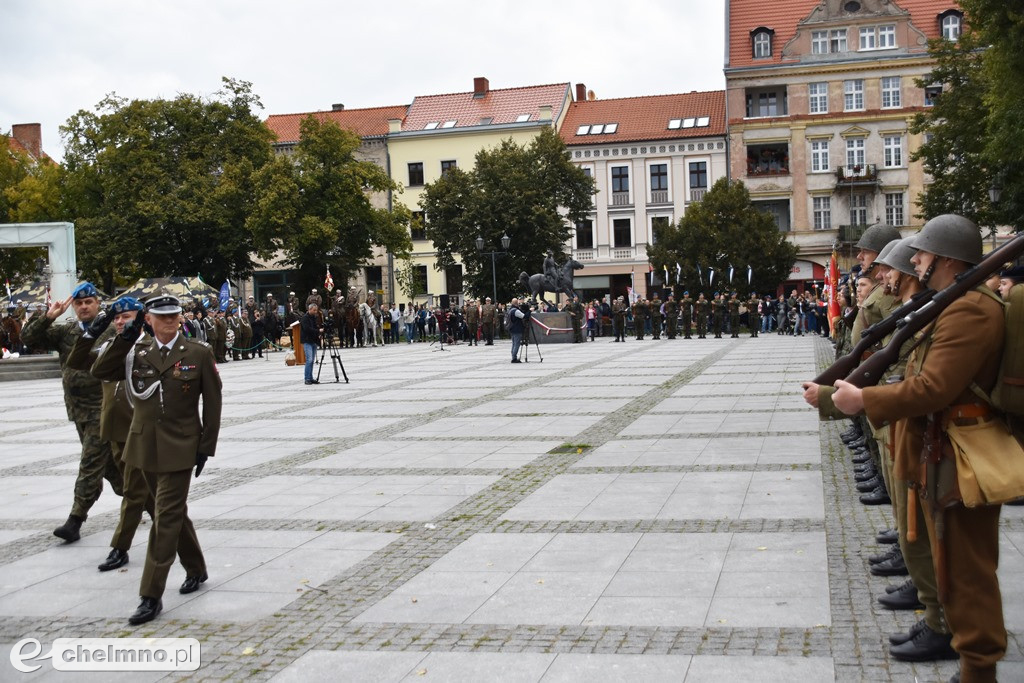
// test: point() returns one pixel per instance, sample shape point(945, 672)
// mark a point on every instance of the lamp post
point(505, 241)
point(994, 193)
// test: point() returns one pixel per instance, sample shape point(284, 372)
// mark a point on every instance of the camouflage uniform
point(619, 320)
point(83, 396)
point(655, 311)
point(640, 312)
point(671, 316)
point(753, 319)
point(687, 306)
point(702, 306)
point(734, 317)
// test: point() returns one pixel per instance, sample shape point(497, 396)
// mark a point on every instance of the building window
point(853, 95)
point(891, 98)
point(819, 42)
point(620, 178)
point(931, 93)
point(585, 234)
point(762, 44)
point(854, 152)
point(659, 177)
point(417, 226)
point(763, 103)
point(453, 279)
point(768, 159)
point(698, 175)
point(658, 224)
point(415, 174)
point(952, 26)
point(447, 166)
point(892, 146)
point(837, 40)
point(894, 209)
point(867, 38)
point(822, 213)
point(817, 94)
point(878, 37)
point(622, 233)
point(887, 36)
point(420, 284)
point(858, 209)
point(819, 156)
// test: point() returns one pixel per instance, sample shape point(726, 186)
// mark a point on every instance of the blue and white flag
point(750, 274)
point(225, 294)
point(730, 273)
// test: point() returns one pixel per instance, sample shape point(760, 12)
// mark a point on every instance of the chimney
point(581, 92)
point(338, 107)
point(480, 86)
point(394, 125)
point(30, 136)
point(544, 112)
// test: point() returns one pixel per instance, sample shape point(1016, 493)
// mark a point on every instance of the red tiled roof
point(782, 16)
point(501, 106)
point(363, 122)
point(645, 118)
point(18, 148)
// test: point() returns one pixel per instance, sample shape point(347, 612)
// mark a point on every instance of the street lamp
point(505, 241)
point(994, 193)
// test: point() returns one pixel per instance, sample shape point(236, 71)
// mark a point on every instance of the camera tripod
point(531, 333)
point(335, 359)
point(442, 332)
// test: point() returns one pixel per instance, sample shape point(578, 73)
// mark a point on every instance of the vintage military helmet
point(877, 236)
point(898, 256)
point(886, 250)
point(951, 236)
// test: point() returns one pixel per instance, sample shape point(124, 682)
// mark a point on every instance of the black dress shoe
point(869, 485)
point(116, 558)
point(866, 475)
point(876, 497)
point(887, 555)
point(900, 638)
point(887, 537)
point(859, 443)
point(147, 611)
point(892, 588)
point(901, 599)
point(925, 646)
point(892, 567)
point(191, 584)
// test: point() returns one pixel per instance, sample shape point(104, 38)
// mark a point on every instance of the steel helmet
point(877, 236)
point(899, 255)
point(886, 250)
point(951, 236)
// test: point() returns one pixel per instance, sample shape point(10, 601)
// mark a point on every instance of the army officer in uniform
point(167, 374)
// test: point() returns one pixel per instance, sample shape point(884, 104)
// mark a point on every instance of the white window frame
point(667, 163)
point(629, 179)
point(819, 42)
point(892, 151)
point(837, 40)
point(858, 209)
point(895, 211)
point(892, 97)
point(853, 95)
point(817, 102)
point(867, 38)
point(820, 156)
point(762, 45)
point(855, 152)
point(952, 27)
point(821, 209)
point(886, 37)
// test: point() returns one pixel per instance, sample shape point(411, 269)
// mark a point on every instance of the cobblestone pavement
point(656, 510)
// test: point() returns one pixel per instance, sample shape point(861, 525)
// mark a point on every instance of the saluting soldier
point(165, 376)
point(487, 321)
point(619, 319)
point(703, 308)
point(655, 309)
point(671, 316)
point(83, 396)
point(734, 315)
point(640, 312)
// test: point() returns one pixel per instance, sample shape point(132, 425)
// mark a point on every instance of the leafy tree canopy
point(722, 230)
point(527, 192)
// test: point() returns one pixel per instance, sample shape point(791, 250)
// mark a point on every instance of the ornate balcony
point(865, 175)
point(623, 253)
point(620, 199)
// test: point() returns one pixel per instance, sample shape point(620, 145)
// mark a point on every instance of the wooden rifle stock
point(870, 371)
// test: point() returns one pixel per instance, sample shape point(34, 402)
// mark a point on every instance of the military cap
point(125, 304)
point(1013, 273)
point(686, 293)
point(163, 304)
point(269, 294)
point(85, 290)
point(251, 296)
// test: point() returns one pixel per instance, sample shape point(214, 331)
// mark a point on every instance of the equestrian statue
point(555, 278)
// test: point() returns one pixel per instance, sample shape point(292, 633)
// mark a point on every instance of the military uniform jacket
point(472, 315)
point(877, 306)
point(166, 430)
point(671, 309)
point(734, 307)
point(487, 314)
point(115, 411)
point(640, 311)
point(656, 308)
point(83, 393)
point(619, 311)
point(687, 306)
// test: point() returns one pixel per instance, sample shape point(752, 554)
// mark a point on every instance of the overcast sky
point(60, 56)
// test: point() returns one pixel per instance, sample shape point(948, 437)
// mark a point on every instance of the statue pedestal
point(551, 328)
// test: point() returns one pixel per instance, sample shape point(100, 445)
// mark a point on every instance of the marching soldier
point(619, 319)
point(83, 396)
point(487, 321)
point(640, 312)
point(734, 316)
point(656, 316)
point(702, 307)
point(165, 377)
point(671, 316)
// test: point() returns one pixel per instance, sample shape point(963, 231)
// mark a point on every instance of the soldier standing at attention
point(656, 316)
point(753, 318)
point(220, 349)
point(487, 321)
point(576, 313)
point(703, 307)
point(734, 316)
point(687, 305)
point(619, 319)
point(671, 316)
point(640, 312)
point(245, 343)
point(83, 396)
point(719, 307)
point(472, 321)
point(234, 323)
point(166, 376)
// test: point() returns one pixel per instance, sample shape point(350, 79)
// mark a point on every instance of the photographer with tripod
point(518, 318)
point(309, 334)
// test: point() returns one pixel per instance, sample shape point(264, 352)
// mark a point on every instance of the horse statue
point(538, 283)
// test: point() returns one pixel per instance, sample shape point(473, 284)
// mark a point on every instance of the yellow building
point(440, 132)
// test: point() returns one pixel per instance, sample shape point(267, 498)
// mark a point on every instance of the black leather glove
point(133, 330)
point(100, 323)
point(201, 459)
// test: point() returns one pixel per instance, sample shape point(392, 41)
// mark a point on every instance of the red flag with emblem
point(328, 281)
point(833, 289)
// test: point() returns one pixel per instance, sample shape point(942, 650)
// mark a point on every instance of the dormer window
point(762, 38)
point(952, 24)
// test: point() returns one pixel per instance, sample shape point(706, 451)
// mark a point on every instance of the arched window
point(952, 25)
point(762, 43)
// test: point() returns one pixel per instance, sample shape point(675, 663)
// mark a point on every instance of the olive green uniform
point(487, 323)
point(671, 317)
point(719, 307)
point(639, 318)
point(734, 317)
point(619, 320)
point(687, 304)
point(702, 306)
point(83, 397)
point(656, 317)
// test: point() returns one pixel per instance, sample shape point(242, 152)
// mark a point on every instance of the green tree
point(724, 229)
point(532, 193)
point(954, 152)
point(165, 187)
point(409, 278)
point(30, 192)
point(316, 210)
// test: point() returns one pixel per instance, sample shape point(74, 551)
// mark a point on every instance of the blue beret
point(84, 291)
point(686, 293)
point(125, 304)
